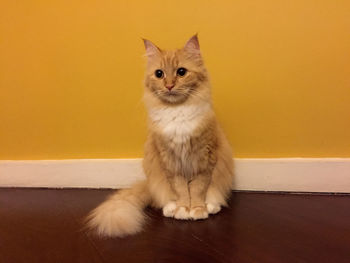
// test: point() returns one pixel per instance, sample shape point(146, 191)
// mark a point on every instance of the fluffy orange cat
point(188, 161)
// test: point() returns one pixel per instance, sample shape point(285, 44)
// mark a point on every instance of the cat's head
point(175, 76)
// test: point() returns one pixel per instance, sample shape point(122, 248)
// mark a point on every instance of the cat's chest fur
point(180, 138)
point(179, 123)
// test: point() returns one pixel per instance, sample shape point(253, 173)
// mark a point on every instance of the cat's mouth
point(173, 97)
point(172, 93)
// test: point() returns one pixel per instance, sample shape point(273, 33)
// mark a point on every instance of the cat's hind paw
point(169, 209)
point(213, 208)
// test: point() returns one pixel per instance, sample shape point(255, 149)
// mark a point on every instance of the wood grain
point(42, 225)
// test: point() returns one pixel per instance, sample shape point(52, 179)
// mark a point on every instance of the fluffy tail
point(122, 213)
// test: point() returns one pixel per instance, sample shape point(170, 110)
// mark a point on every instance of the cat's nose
point(170, 87)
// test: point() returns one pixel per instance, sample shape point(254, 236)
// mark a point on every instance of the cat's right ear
point(151, 49)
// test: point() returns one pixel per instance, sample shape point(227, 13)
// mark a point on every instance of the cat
point(187, 159)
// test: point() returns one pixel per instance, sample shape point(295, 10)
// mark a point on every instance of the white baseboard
point(274, 174)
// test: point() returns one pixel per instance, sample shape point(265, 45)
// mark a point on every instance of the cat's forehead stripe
point(169, 59)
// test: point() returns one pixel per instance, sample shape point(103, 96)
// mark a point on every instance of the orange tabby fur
point(188, 161)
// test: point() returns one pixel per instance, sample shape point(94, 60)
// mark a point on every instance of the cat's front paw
point(199, 212)
point(182, 213)
point(169, 209)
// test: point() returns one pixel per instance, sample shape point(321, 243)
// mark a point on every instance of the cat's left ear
point(192, 45)
point(151, 49)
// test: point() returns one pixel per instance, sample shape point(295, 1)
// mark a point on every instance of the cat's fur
point(188, 161)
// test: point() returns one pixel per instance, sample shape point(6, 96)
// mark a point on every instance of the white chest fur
point(179, 122)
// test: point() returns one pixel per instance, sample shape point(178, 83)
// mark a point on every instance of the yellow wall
point(71, 74)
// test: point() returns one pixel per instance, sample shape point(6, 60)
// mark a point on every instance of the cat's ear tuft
point(192, 44)
point(151, 49)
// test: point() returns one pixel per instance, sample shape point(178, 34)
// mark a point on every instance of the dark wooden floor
point(39, 225)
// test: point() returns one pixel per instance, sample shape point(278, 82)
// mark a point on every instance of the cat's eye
point(181, 71)
point(159, 73)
